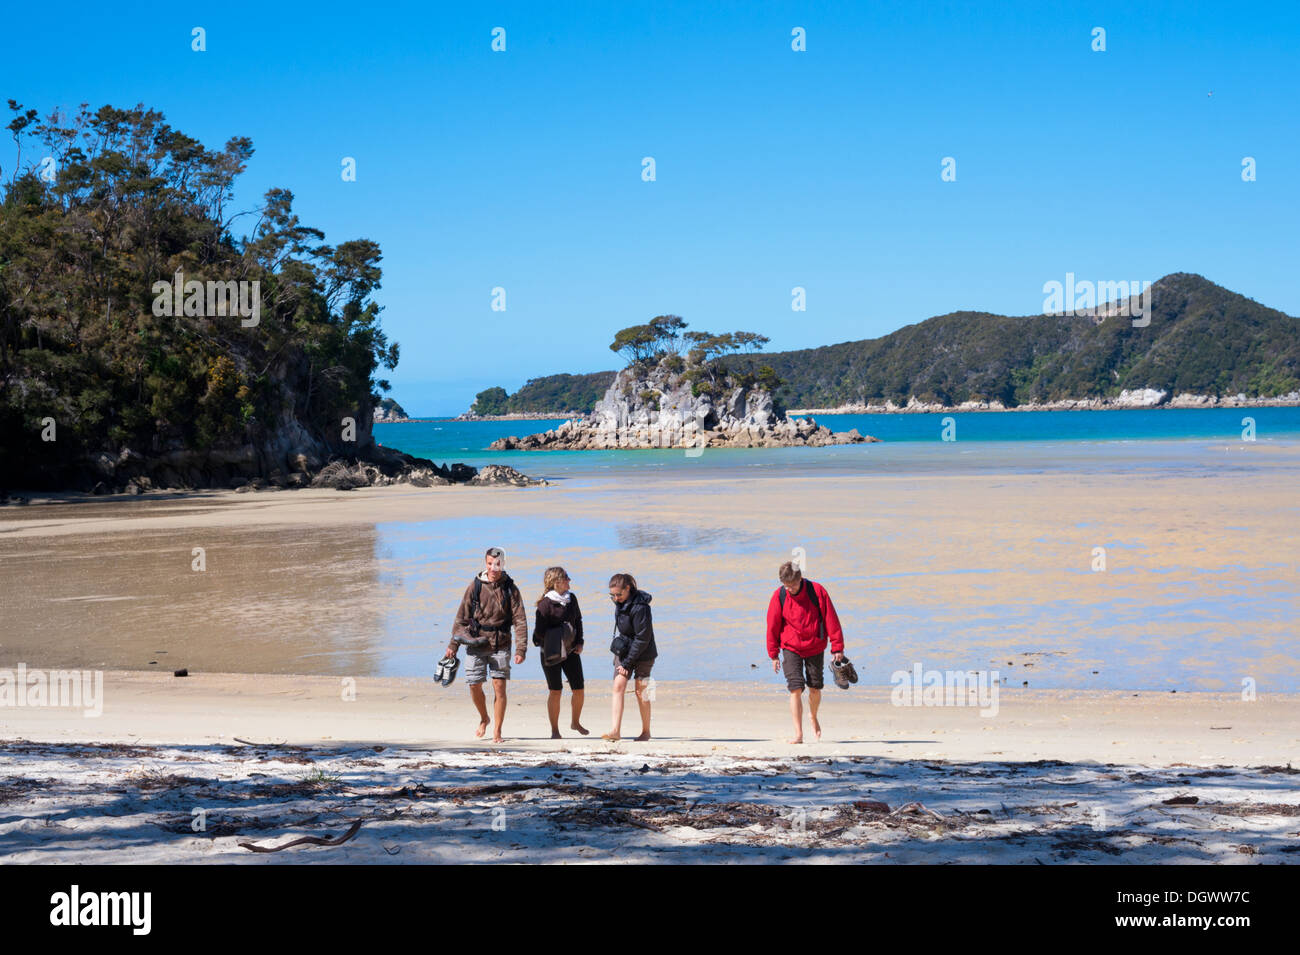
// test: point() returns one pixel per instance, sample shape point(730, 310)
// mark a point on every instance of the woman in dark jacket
point(633, 648)
point(558, 607)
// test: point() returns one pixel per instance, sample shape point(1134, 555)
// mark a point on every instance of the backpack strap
point(505, 599)
point(817, 602)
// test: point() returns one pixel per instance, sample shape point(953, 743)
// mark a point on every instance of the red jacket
point(796, 629)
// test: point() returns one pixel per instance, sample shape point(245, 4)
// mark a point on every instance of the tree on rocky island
point(705, 363)
point(649, 343)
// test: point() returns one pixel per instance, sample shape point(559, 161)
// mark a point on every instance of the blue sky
point(774, 168)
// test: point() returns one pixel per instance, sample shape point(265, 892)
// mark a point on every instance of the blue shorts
point(478, 666)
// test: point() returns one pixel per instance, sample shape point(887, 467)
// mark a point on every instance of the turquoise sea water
point(1021, 442)
point(1210, 629)
point(377, 599)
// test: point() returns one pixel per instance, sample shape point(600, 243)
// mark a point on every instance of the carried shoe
point(446, 671)
point(843, 672)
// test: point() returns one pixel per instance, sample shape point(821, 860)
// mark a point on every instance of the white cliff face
point(656, 409)
point(1140, 398)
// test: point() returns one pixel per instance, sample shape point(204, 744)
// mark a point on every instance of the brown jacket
point(492, 617)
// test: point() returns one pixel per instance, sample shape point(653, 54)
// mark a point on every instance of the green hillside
point(1202, 338)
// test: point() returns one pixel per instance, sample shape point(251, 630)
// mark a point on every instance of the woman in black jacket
point(633, 648)
point(558, 611)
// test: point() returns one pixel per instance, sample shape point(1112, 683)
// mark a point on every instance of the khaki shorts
point(802, 670)
point(478, 665)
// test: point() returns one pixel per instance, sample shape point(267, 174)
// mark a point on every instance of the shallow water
point(990, 570)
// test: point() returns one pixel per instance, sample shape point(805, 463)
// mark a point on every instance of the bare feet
point(645, 735)
point(555, 734)
point(482, 728)
point(797, 739)
point(817, 727)
point(612, 737)
point(498, 738)
point(580, 728)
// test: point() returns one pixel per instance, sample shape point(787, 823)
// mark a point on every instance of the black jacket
point(551, 614)
point(633, 630)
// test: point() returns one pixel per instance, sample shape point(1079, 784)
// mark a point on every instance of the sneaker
point(446, 671)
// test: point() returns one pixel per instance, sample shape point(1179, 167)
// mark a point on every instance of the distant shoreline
point(517, 416)
point(921, 407)
point(1068, 404)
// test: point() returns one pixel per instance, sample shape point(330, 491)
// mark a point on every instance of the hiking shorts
point(478, 666)
point(571, 667)
point(640, 670)
point(800, 671)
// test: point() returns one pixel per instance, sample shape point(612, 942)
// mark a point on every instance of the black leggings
point(572, 667)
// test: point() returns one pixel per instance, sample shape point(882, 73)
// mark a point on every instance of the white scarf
point(560, 598)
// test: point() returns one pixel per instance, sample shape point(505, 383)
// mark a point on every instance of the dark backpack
point(821, 620)
point(507, 585)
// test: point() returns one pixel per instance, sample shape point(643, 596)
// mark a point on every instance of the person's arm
point(774, 625)
point(577, 621)
point(521, 623)
point(833, 631)
point(460, 626)
point(540, 622)
point(640, 634)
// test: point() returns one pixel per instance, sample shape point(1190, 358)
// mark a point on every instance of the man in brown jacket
point(486, 635)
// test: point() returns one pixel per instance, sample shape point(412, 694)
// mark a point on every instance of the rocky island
point(685, 390)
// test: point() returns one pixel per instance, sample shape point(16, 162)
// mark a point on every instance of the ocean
point(1030, 442)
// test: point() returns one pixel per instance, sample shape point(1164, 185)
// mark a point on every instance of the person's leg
point(815, 671)
point(792, 668)
point(498, 707)
point(620, 687)
point(553, 712)
point(480, 703)
point(579, 696)
point(573, 670)
point(796, 714)
point(556, 688)
point(643, 703)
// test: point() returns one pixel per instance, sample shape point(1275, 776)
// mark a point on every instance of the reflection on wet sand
point(267, 601)
point(954, 572)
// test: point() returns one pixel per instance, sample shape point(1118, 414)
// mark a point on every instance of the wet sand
point(1199, 590)
point(313, 629)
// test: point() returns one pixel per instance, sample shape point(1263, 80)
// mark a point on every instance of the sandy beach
point(190, 769)
point(1198, 591)
point(310, 638)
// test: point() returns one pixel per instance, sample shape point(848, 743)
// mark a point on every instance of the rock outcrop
point(658, 408)
point(390, 413)
point(131, 472)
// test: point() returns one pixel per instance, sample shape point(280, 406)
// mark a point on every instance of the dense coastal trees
point(552, 394)
point(99, 209)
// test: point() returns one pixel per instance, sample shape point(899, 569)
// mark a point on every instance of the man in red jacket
point(797, 631)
